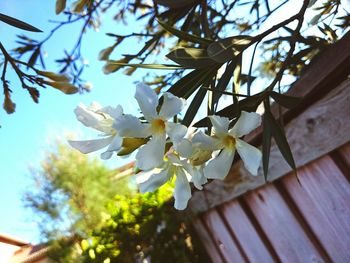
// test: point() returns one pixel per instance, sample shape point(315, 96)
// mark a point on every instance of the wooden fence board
point(222, 238)
point(323, 127)
point(245, 232)
point(324, 200)
point(345, 153)
point(207, 241)
point(281, 227)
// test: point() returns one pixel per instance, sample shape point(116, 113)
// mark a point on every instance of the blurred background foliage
point(89, 213)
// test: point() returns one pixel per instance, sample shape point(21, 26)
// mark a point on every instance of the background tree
point(213, 44)
point(70, 195)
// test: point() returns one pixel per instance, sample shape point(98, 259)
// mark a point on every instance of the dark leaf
point(33, 57)
point(18, 23)
point(194, 106)
point(34, 93)
point(187, 85)
point(285, 100)
point(228, 48)
point(150, 66)
point(184, 35)
point(266, 146)
point(280, 138)
point(191, 57)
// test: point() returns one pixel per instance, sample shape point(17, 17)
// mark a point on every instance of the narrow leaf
point(18, 23)
point(33, 57)
point(266, 146)
point(228, 48)
point(223, 81)
point(150, 66)
point(191, 57)
point(60, 6)
point(280, 138)
point(194, 106)
point(184, 35)
point(285, 100)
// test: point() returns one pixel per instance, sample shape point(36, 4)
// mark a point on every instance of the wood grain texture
point(281, 227)
point(345, 154)
point(207, 241)
point(318, 130)
point(245, 232)
point(324, 200)
point(222, 238)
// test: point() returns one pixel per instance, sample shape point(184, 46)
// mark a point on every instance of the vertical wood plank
point(207, 241)
point(281, 227)
point(323, 198)
point(245, 232)
point(222, 238)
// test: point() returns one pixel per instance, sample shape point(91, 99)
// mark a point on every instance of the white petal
point(113, 112)
point(182, 191)
point(154, 181)
point(205, 142)
point(220, 124)
point(129, 126)
point(147, 100)
point(247, 122)
point(176, 131)
point(198, 178)
point(115, 145)
point(219, 167)
point(151, 154)
point(184, 148)
point(87, 117)
point(172, 105)
point(89, 146)
point(250, 155)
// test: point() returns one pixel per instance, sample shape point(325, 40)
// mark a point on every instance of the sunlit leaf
point(191, 57)
point(184, 35)
point(60, 6)
point(228, 48)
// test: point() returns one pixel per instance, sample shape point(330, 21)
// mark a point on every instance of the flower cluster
point(167, 149)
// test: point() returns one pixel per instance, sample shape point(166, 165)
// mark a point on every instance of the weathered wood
point(243, 229)
point(207, 241)
point(324, 200)
point(344, 151)
point(281, 227)
point(327, 70)
point(320, 129)
point(222, 238)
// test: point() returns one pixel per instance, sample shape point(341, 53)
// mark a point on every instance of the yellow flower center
point(158, 126)
point(229, 141)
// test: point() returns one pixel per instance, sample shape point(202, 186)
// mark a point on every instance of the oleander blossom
point(157, 127)
point(100, 119)
point(173, 165)
point(228, 142)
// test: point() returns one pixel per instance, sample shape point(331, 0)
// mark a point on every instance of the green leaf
point(266, 145)
point(285, 100)
point(18, 23)
point(184, 35)
point(60, 6)
point(223, 81)
point(187, 85)
point(280, 138)
point(194, 106)
point(150, 66)
point(191, 57)
point(228, 48)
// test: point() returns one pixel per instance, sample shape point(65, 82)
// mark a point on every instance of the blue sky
point(26, 134)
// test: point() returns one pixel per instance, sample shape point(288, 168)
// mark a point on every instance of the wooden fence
point(243, 219)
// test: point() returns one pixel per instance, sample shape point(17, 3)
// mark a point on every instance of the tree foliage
point(70, 195)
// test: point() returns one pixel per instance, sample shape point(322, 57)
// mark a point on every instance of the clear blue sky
point(26, 134)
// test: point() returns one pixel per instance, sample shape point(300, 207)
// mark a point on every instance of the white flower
point(151, 154)
point(100, 119)
point(228, 141)
point(149, 181)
